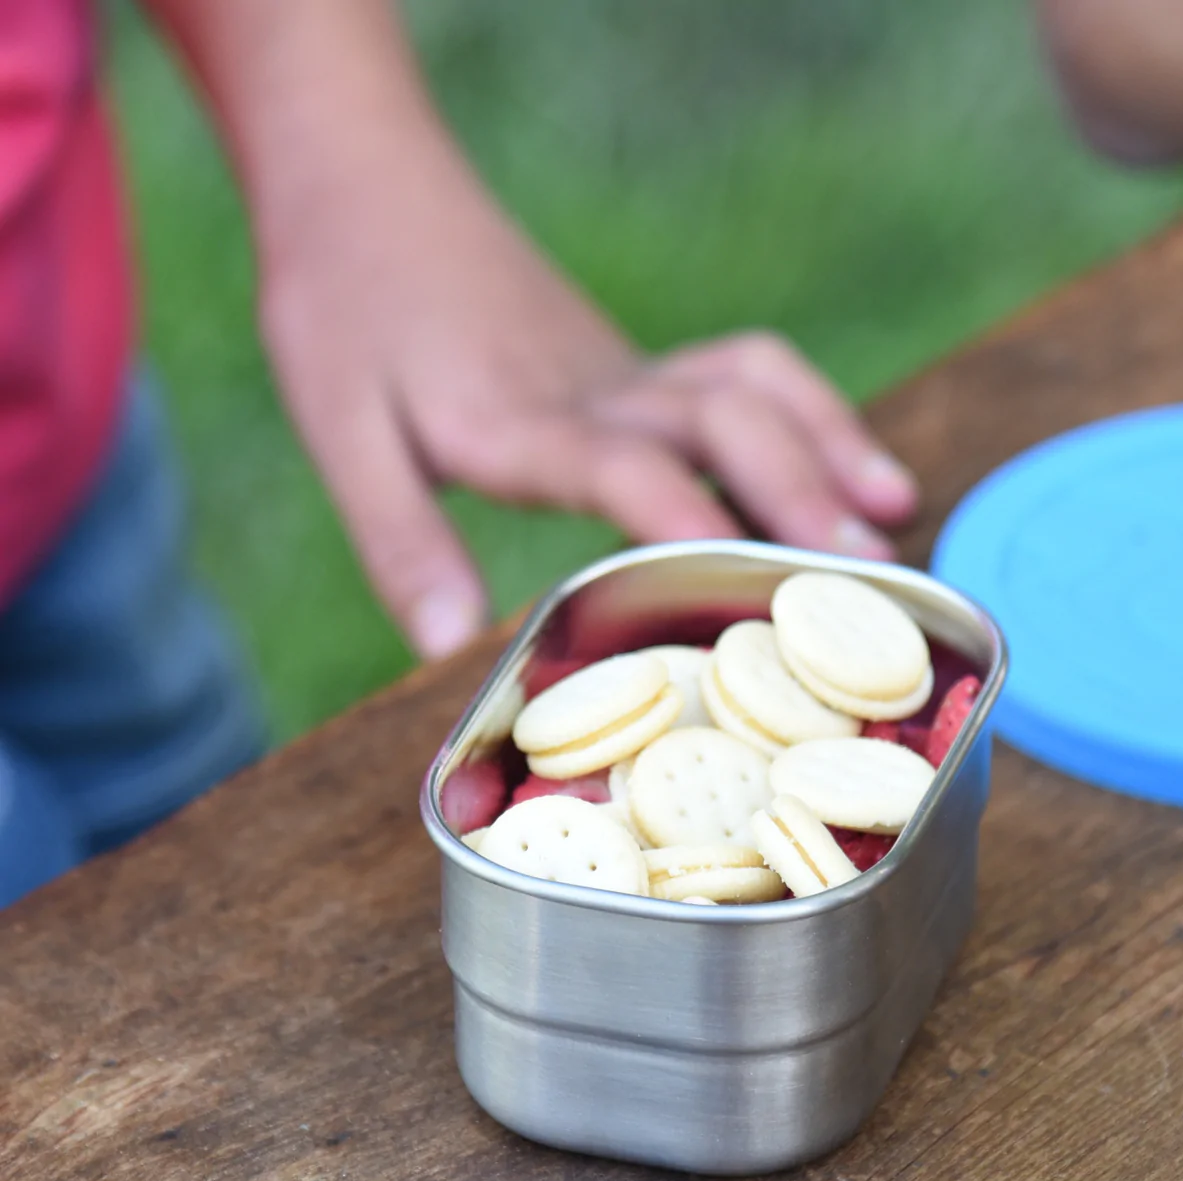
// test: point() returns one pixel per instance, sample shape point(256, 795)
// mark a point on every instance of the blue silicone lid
point(1076, 548)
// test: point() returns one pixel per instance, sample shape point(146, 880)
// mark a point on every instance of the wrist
point(387, 166)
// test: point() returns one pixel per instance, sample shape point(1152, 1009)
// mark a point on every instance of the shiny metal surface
point(728, 1040)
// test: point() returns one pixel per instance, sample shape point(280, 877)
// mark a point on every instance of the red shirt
point(65, 288)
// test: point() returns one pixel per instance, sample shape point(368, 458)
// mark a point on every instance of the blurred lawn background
point(877, 181)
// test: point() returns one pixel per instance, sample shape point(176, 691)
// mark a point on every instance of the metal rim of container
point(452, 847)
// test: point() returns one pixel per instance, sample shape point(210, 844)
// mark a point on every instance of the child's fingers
point(875, 482)
point(565, 459)
point(767, 462)
point(413, 557)
point(771, 470)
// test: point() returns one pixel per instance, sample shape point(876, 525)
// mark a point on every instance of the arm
point(419, 338)
point(1120, 66)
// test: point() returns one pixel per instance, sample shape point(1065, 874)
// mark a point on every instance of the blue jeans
point(122, 695)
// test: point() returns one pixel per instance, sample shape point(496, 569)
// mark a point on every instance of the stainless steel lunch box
point(723, 1040)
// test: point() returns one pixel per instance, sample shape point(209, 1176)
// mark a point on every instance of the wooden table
point(257, 991)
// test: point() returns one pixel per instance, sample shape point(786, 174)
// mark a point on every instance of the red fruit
point(593, 788)
point(473, 797)
point(954, 709)
point(915, 737)
point(885, 731)
point(910, 734)
point(544, 673)
point(863, 848)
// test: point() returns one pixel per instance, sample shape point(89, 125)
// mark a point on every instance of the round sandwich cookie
point(722, 874)
point(852, 646)
point(754, 683)
point(864, 784)
point(697, 787)
point(729, 718)
point(597, 716)
point(795, 843)
point(870, 709)
point(685, 666)
point(563, 839)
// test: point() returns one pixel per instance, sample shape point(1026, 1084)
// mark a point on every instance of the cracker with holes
point(564, 839)
point(722, 874)
point(752, 679)
point(795, 843)
point(864, 784)
point(685, 666)
point(597, 716)
point(852, 646)
point(697, 786)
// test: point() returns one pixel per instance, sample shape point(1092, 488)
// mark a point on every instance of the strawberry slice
point(863, 848)
point(954, 709)
point(884, 731)
point(473, 797)
point(915, 737)
point(910, 734)
point(593, 788)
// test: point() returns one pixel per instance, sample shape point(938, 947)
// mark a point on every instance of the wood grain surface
point(256, 990)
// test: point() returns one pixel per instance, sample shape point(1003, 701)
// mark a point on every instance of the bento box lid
point(1076, 548)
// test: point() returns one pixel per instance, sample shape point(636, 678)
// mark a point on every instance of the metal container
point(723, 1040)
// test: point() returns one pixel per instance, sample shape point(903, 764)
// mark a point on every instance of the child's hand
point(436, 346)
point(419, 339)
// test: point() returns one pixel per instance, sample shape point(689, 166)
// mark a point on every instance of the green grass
point(877, 186)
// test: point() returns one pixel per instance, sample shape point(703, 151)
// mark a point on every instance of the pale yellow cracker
point(563, 839)
point(869, 709)
point(590, 701)
point(795, 843)
point(697, 787)
point(718, 873)
point(849, 635)
point(685, 666)
point(728, 717)
point(755, 682)
point(612, 745)
point(864, 784)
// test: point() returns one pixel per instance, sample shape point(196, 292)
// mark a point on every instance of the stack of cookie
point(768, 766)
